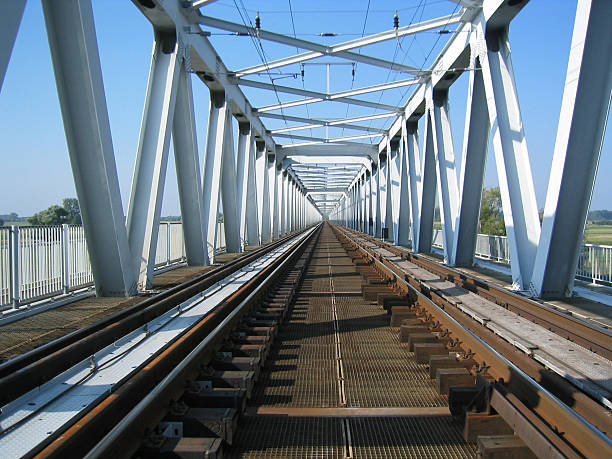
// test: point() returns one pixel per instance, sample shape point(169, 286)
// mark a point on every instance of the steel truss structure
point(388, 189)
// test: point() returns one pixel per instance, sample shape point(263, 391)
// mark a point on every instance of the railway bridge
point(319, 308)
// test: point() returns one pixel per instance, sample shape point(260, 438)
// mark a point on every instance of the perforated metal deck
point(336, 350)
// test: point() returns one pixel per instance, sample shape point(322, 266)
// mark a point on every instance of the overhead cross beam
point(341, 123)
point(314, 96)
point(339, 50)
point(322, 140)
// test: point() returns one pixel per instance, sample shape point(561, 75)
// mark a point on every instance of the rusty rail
point(120, 420)
point(24, 373)
point(560, 417)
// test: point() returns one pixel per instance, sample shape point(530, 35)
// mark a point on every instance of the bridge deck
point(337, 373)
point(19, 337)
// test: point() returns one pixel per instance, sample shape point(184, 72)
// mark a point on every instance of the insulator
point(395, 20)
point(257, 22)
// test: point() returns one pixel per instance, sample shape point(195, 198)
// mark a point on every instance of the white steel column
point(582, 124)
point(264, 186)
point(152, 157)
point(368, 191)
point(382, 192)
point(245, 143)
point(78, 76)
point(428, 191)
point(511, 157)
point(188, 171)
point(289, 203)
point(275, 170)
point(231, 224)
point(376, 198)
point(268, 204)
point(391, 146)
point(395, 187)
point(252, 203)
point(11, 13)
point(219, 122)
point(362, 206)
point(448, 191)
point(403, 225)
point(358, 204)
point(283, 203)
point(413, 163)
point(474, 156)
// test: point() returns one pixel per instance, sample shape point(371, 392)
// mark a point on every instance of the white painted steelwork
point(266, 194)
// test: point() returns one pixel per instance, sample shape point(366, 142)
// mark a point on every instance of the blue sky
point(36, 169)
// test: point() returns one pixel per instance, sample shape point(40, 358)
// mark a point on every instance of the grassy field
point(598, 234)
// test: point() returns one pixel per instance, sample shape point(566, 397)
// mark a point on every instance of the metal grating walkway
point(337, 353)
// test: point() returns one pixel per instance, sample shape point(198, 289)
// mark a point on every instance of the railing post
point(65, 259)
point(14, 255)
point(168, 239)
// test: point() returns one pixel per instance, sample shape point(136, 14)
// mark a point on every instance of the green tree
point(71, 206)
point(491, 212)
point(54, 215)
point(1, 222)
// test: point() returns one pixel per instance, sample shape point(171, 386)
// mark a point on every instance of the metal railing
point(594, 262)
point(40, 262)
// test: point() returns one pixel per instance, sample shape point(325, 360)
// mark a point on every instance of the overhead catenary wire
point(261, 53)
point(365, 20)
point(298, 50)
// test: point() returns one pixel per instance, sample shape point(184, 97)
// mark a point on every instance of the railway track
point(319, 346)
point(53, 409)
point(570, 412)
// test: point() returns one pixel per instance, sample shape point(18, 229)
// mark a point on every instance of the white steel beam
point(340, 154)
point(188, 171)
point(283, 203)
point(229, 202)
point(146, 196)
point(201, 3)
point(219, 122)
point(339, 50)
point(245, 143)
point(322, 140)
point(319, 50)
point(275, 172)
point(78, 76)
point(413, 163)
point(582, 124)
point(474, 156)
point(376, 229)
point(11, 13)
point(303, 127)
point(511, 156)
point(264, 177)
point(314, 100)
point(403, 226)
point(338, 96)
point(204, 59)
point(390, 175)
point(252, 202)
point(318, 122)
point(448, 191)
point(428, 190)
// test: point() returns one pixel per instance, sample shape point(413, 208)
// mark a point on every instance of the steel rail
point(572, 396)
point(120, 420)
point(571, 422)
point(24, 373)
point(588, 335)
